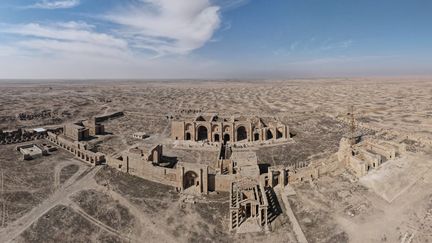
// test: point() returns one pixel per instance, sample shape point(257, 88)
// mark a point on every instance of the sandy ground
point(55, 197)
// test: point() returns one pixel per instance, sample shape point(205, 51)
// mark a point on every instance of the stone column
point(193, 136)
point(233, 138)
point(201, 181)
point(205, 181)
point(282, 177)
point(271, 178)
point(181, 178)
point(231, 219)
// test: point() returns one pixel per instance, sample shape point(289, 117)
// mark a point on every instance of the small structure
point(248, 206)
point(140, 135)
point(40, 130)
point(94, 127)
point(83, 130)
point(76, 132)
point(32, 151)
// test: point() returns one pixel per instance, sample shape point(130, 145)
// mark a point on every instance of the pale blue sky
point(214, 39)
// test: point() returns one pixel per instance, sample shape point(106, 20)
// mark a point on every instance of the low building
point(140, 135)
point(32, 151)
point(83, 130)
point(76, 132)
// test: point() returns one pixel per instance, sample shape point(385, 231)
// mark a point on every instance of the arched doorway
point(256, 136)
point(188, 136)
point(269, 135)
point(241, 133)
point(190, 179)
point(216, 138)
point(202, 133)
point(278, 134)
point(226, 138)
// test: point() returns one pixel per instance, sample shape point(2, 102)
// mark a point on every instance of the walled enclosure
point(364, 154)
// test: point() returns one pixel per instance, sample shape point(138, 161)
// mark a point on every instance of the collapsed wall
point(24, 135)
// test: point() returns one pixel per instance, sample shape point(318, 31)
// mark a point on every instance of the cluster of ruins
point(361, 154)
point(25, 116)
point(24, 135)
point(236, 170)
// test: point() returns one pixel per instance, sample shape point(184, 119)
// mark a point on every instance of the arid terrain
point(59, 198)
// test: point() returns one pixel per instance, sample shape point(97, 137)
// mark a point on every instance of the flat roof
point(39, 129)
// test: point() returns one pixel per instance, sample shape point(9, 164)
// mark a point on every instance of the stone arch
point(202, 133)
point(241, 133)
point(188, 136)
point(269, 134)
point(200, 118)
point(188, 127)
point(217, 138)
point(227, 128)
point(226, 138)
point(190, 179)
point(256, 136)
point(278, 134)
point(215, 128)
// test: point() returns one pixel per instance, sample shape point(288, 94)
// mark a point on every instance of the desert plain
point(59, 198)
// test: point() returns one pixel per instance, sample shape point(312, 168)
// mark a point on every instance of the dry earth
point(58, 197)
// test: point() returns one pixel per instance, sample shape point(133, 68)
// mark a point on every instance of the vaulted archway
point(216, 138)
point(241, 133)
point(188, 136)
point(226, 138)
point(269, 135)
point(202, 133)
point(190, 179)
point(278, 134)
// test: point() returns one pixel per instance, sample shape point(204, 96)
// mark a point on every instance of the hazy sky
point(214, 39)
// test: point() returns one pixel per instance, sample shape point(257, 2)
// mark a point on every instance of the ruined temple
point(233, 129)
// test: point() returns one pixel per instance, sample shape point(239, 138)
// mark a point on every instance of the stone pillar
point(271, 178)
point(201, 181)
point(233, 138)
point(181, 178)
point(238, 217)
point(205, 181)
point(193, 136)
point(282, 177)
point(231, 219)
point(260, 216)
